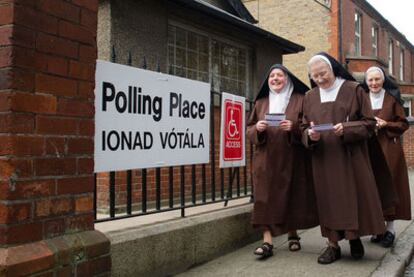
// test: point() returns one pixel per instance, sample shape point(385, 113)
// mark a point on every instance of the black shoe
point(264, 251)
point(388, 239)
point(377, 238)
point(357, 249)
point(294, 244)
point(330, 255)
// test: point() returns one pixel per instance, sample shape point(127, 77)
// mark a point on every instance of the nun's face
point(321, 74)
point(277, 80)
point(374, 81)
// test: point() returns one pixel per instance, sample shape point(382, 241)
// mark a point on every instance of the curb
point(394, 263)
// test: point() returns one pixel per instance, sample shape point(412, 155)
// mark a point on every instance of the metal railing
point(172, 188)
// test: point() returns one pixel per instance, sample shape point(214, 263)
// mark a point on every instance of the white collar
point(377, 99)
point(330, 94)
point(278, 101)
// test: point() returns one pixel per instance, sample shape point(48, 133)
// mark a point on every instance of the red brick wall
point(48, 60)
point(47, 65)
point(407, 66)
point(408, 146)
point(361, 65)
point(348, 30)
point(411, 66)
point(348, 11)
point(334, 27)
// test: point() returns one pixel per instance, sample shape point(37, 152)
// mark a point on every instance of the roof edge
point(287, 46)
point(241, 9)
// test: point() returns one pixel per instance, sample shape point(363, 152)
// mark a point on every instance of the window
point(390, 57)
point(407, 107)
point(402, 64)
point(208, 59)
point(229, 68)
point(357, 34)
point(187, 54)
point(374, 35)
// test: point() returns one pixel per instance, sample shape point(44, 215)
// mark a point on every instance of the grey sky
point(399, 13)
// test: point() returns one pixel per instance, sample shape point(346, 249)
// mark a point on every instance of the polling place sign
point(232, 134)
point(148, 119)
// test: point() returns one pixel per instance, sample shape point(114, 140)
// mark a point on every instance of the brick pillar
point(47, 67)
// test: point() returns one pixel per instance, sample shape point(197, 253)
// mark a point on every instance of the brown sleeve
point(399, 124)
point(363, 125)
point(251, 132)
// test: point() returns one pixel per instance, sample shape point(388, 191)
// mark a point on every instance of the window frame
point(187, 50)
point(402, 57)
point(358, 33)
point(391, 56)
point(211, 37)
point(374, 39)
point(408, 105)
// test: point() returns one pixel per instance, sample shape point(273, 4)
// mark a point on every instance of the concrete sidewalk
point(377, 261)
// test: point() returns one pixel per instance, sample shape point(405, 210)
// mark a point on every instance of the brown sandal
point(294, 244)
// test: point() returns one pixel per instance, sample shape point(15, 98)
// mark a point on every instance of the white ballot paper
point(323, 127)
point(274, 119)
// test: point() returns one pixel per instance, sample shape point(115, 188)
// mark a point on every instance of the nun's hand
point(339, 129)
point(286, 125)
point(261, 125)
point(313, 135)
point(381, 123)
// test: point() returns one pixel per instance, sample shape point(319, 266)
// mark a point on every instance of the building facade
point(351, 31)
point(214, 41)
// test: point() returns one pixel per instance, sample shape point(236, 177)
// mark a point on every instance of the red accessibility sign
point(233, 131)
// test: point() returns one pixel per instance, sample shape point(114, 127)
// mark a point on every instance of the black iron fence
point(140, 192)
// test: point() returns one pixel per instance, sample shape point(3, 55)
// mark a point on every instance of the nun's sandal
point(264, 251)
point(294, 244)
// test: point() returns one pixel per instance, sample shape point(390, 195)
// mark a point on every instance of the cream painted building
point(291, 19)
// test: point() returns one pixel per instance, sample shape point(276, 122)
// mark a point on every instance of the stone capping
point(87, 253)
point(126, 234)
point(173, 246)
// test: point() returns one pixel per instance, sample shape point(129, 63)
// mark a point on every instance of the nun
point(284, 199)
point(337, 122)
point(389, 113)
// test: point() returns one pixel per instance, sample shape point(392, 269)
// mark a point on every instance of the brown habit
point(283, 191)
point(389, 139)
point(345, 187)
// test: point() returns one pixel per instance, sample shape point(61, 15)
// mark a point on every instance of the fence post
point(129, 61)
point(144, 63)
point(113, 54)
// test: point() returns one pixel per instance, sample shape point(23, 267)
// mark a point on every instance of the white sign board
point(232, 134)
point(148, 119)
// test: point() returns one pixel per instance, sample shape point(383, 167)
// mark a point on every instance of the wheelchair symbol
point(232, 130)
